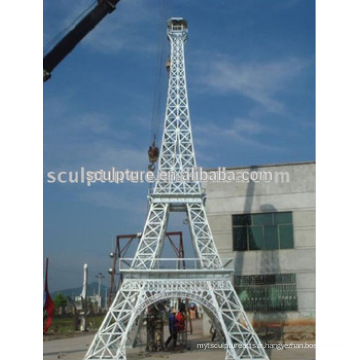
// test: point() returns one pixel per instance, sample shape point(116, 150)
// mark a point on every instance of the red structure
point(48, 309)
point(123, 243)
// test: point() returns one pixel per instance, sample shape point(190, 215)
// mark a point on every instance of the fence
point(267, 293)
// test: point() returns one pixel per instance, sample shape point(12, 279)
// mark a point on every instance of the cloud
point(262, 82)
point(94, 139)
point(94, 156)
point(116, 32)
point(245, 131)
point(60, 17)
point(94, 143)
point(115, 199)
point(121, 30)
point(246, 126)
point(98, 123)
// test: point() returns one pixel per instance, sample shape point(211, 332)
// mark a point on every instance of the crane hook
point(153, 154)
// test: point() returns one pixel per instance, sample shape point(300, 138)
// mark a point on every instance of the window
point(177, 26)
point(265, 231)
point(267, 293)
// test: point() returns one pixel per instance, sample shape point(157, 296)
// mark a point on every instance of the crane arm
point(73, 37)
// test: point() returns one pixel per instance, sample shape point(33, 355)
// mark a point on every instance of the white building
point(267, 225)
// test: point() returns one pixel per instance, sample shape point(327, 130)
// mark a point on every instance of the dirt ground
point(75, 348)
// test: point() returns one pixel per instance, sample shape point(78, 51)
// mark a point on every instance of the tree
point(60, 302)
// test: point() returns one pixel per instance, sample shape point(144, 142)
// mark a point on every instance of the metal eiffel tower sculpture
point(146, 281)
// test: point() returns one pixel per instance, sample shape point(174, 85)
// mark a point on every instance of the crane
point(73, 37)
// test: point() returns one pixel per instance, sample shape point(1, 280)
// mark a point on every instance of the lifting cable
point(164, 13)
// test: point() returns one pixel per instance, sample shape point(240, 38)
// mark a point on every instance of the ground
point(74, 348)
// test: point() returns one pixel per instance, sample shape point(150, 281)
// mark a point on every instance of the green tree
point(60, 302)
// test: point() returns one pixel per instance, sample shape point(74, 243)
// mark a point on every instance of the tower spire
point(175, 189)
point(177, 149)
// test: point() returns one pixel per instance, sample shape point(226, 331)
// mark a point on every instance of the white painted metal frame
point(145, 284)
point(218, 296)
point(202, 238)
point(177, 149)
point(150, 245)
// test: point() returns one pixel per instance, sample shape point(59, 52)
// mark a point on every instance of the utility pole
point(99, 276)
point(83, 312)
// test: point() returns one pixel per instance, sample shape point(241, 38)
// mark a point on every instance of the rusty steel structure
point(123, 243)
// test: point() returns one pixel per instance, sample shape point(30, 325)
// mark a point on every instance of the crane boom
point(73, 37)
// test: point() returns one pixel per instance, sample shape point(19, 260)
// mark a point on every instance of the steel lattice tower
point(208, 282)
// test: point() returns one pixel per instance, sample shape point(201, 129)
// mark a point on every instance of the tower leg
point(111, 338)
point(218, 296)
point(152, 238)
point(242, 341)
point(202, 238)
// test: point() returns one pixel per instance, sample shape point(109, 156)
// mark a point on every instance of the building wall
point(294, 190)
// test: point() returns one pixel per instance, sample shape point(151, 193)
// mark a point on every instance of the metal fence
point(267, 293)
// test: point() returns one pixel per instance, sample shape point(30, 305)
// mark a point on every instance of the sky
point(250, 67)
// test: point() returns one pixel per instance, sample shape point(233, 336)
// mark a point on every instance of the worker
point(180, 317)
point(153, 153)
point(173, 328)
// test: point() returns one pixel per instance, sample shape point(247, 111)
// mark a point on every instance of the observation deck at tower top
point(177, 24)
